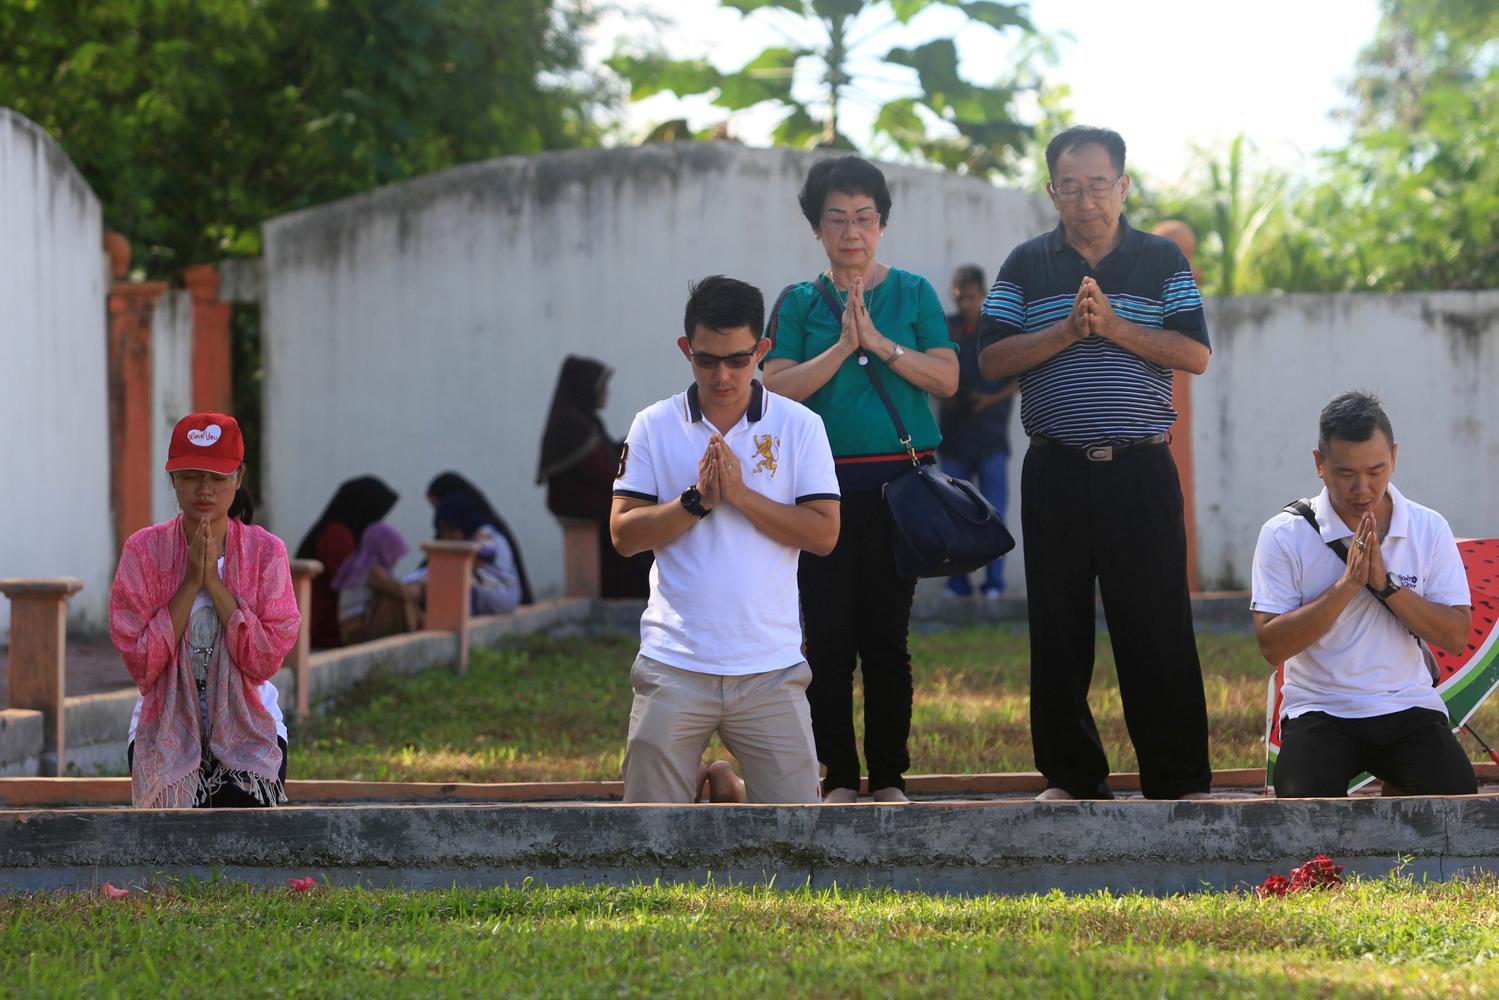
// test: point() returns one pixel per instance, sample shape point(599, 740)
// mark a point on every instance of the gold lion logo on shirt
point(769, 450)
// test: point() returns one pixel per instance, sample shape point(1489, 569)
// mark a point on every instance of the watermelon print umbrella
point(1464, 677)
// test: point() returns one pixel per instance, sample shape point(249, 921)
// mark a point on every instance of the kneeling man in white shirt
point(727, 484)
point(1358, 695)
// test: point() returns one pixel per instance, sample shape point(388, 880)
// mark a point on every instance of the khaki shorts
point(763, 720)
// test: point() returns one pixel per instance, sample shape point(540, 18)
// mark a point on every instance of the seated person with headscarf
point(578, 463)
point(496, 586)
point(357, 504)
point(372, 603)
point(492, 527)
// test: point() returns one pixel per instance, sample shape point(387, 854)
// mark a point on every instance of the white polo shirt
point(723, 596)
point(1368, 663)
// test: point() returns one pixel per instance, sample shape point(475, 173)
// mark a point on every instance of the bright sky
point(1169, 75)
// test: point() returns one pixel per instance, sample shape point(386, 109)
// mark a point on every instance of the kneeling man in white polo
point(727, 484)
point(1342, 605)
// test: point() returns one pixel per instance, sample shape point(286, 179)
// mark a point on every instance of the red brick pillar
point(38, 652)
point(213, 365)
point(450, 575)
point(581, 572)
point(302, 572)
point(1182, 235)
point(131, 306)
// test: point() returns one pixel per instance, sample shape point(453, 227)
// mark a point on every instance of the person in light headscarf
point(372, 603)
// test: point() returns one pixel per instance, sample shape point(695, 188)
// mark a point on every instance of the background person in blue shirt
point(1094, 317)
point(975, 423)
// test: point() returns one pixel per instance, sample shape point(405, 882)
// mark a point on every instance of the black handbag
point(940, 525)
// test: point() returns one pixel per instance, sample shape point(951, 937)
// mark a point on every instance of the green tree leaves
point(1411, 203)
point(947, 120)
point(194, 120)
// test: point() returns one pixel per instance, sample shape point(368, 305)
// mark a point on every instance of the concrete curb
point(965, 847)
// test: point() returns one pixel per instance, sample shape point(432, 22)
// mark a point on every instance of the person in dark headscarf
point(357, 504)
point(491, 528)
point(496, 586)
point(578, 464)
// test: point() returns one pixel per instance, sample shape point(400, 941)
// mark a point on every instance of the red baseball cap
point(210, 442)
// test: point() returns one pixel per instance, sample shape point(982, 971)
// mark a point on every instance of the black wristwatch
point(1391, 585)
point(692, 502)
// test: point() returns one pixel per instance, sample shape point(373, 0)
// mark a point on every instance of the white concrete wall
point(421, 327)
point(171, 389)
point(54, 424)
point(1432, 358)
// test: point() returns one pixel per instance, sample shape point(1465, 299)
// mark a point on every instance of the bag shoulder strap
point(1303, 508)
point(1339, 547)
point(874, 376)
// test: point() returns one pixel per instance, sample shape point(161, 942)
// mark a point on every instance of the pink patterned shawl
point(242, 737)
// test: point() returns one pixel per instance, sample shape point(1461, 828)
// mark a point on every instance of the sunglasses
point(742, 359)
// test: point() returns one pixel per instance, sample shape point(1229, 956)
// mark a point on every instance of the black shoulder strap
point(1303, 508)
point(874, 376)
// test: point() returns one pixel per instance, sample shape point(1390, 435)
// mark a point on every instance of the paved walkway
point(93, 666)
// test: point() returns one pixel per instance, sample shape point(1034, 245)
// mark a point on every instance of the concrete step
point(948, 847)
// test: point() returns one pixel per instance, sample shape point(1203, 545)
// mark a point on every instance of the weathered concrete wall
point(21, 739)
point(171, 389)
point(960, 847)
point(421, 327)
point(1434, 360)
point(54, 419)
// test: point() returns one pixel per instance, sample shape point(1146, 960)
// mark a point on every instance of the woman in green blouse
point(857, 611)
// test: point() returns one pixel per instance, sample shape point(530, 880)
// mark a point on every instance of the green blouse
point(905, 308)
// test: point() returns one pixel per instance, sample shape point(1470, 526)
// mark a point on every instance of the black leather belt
point(1101, 452)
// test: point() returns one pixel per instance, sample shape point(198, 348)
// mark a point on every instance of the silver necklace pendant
point(203, 629)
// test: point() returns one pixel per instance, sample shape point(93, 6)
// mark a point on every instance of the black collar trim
point(756, 410)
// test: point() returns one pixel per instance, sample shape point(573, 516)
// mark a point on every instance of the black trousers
point(857, 612)
point(1413, 750)
point(1118, 523)
point(228, 796)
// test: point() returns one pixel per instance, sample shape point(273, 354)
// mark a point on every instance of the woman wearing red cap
point(203, 612)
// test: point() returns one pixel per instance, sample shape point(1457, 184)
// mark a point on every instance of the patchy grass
point(557, 710)
point(1382, 938)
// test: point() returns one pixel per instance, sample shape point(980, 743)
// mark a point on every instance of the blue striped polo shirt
point(1095, 392)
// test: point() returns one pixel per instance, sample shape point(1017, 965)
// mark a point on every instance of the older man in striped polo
point(1093, 317)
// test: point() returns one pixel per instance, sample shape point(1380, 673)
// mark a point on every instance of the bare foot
point(840, 796)
point(888, 795)
point(700, 782)
point(1054, 795)
point(723, 784)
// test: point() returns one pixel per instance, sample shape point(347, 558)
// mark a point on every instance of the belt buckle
point(1099, 453)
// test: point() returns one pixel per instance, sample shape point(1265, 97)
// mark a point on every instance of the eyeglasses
point(1074, 192)
point(864, 221)
point(198, 481)
point(740, 359)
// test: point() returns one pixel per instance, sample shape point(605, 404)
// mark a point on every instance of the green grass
point(557, 709)
point(1382, 938)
